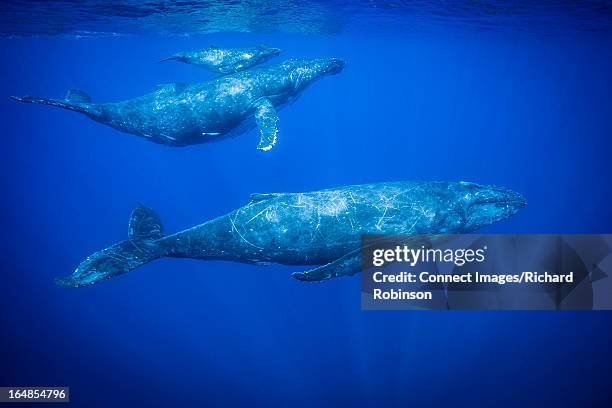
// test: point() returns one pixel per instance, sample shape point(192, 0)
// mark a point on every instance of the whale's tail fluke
point(76, 100)
point(142, 246)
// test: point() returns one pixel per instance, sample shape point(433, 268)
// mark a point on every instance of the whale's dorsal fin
point(77, 96)
point(346, 265)
point(267, 120)
point(257, 197)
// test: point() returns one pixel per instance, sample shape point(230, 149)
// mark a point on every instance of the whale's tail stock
point(141, 247)
point(75, 100)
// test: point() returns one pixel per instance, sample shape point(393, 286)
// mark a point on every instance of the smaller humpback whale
point(320, 228)
point(185, 114)
point(226, 60)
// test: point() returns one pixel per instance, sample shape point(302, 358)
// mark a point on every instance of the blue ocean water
point(514, 96)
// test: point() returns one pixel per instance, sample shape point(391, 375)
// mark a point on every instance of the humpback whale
point(226, 60)
point(184, 114)
point(321, 228)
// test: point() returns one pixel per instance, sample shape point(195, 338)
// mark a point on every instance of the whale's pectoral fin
point(347, 265)
point(267, 120)
point(350, 263)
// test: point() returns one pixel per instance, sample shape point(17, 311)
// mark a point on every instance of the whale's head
point(485, 205)
point(303, 71)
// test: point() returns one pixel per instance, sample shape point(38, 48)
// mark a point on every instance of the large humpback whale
point(226, 60)
point(185, 114)
point(320, 228)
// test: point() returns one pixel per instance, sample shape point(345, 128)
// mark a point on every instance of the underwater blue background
point(528, 110)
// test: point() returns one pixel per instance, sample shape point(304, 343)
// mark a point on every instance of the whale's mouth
point(492, 205)
point(518, 203)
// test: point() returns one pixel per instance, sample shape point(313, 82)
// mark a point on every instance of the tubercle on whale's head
point(485, 205)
